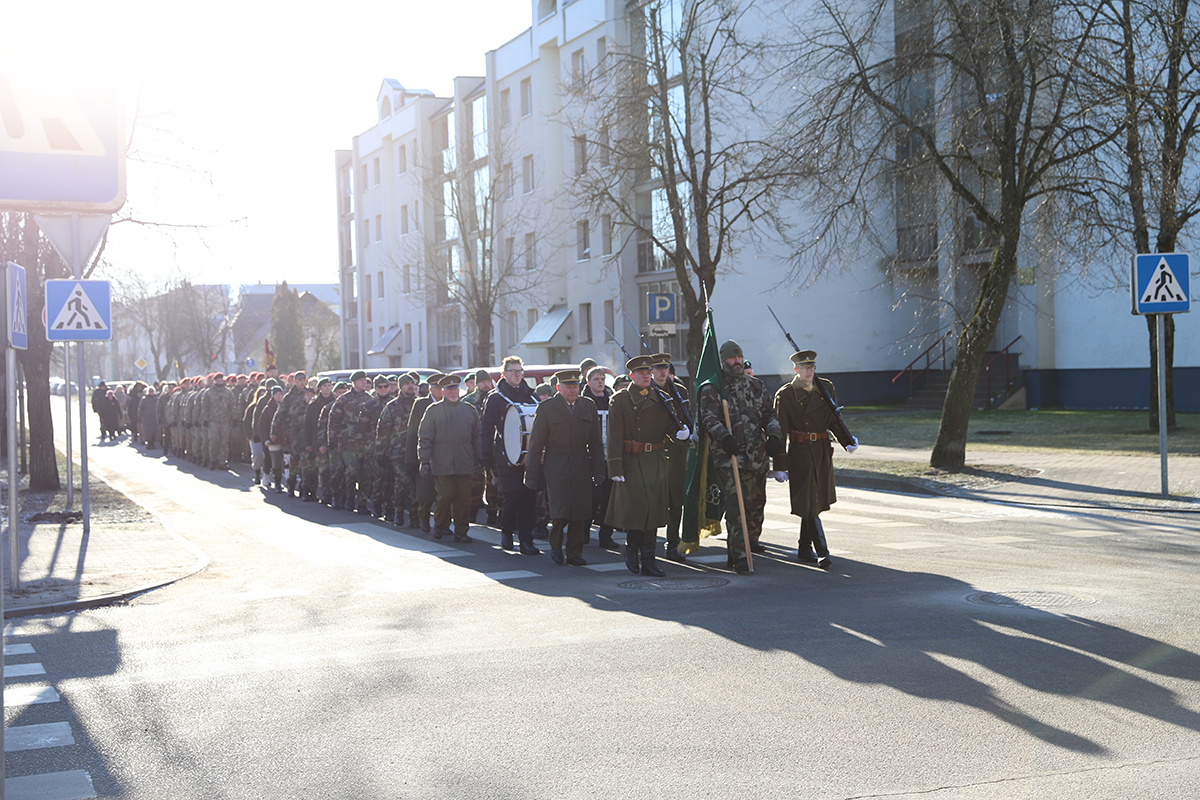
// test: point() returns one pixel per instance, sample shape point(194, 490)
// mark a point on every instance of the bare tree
point(967, 118)
point(675, 144)
point(146, 305)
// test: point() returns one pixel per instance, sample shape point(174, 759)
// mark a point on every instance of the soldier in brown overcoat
point(806, 420)
point(565, 452)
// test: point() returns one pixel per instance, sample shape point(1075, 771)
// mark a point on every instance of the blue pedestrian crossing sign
point(1161, 283)
point(16, 312)
point(78, 311)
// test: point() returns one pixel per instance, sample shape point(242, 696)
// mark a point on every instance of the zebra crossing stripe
point(23, 670)
point(73, 785)
point(18, 649)
point(33, 737)
point(29, 695)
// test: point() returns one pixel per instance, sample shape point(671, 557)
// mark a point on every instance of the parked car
point(336, 375)
point(534, 373)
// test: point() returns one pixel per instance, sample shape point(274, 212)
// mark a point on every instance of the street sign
point(16, 312)
point(141, 364)
point(250, 363)
point(78, 311)
point(660, 308)
point(1161, 283)
point(62, 146)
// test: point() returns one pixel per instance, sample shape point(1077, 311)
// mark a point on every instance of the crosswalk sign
point(1161, 283)
point(15, 316)
point(78, 311)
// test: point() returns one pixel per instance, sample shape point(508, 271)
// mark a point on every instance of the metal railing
point(987, 369)
point(929, 358)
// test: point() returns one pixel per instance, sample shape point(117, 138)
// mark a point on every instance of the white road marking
point(23, 670)
point(34, 737)
point(29, 695)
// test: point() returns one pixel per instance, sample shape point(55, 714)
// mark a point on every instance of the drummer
point(518, 503)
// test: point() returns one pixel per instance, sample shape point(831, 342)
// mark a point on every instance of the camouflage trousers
point(308, 472)
point(350, 480)
point(754, 495)
point(383, 487)
point(218, 443)
point(404, 494)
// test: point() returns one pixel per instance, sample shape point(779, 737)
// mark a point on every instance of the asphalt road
point(957, 649)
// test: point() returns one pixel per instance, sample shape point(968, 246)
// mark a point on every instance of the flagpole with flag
point(703, 506)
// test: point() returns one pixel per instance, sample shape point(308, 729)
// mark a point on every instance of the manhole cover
point(1028, 599)
point(673, 584)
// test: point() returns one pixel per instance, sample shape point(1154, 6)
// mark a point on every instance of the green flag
point(702, 506)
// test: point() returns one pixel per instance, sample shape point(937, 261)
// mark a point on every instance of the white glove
point(618, 478)
point(682, 434)
point(781, 476)
point(854, 446)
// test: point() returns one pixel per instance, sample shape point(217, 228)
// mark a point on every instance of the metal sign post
point(1160, 285)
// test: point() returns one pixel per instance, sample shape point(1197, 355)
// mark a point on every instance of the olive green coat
point(639, 503)
point(565, 452)
point(809, 464)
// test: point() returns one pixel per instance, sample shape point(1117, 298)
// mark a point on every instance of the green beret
point(322, 382)
point(586, 366)
point(341, 385)
point(357, 375)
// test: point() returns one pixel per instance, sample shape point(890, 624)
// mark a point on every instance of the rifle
point(666, 399)
point(673, 392)
point(840, 431)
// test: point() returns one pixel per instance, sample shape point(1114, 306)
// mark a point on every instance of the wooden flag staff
point(737, 484)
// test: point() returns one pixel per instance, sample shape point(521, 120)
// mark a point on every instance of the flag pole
point(737, 485)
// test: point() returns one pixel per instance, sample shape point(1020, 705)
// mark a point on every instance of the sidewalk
point(63, 570)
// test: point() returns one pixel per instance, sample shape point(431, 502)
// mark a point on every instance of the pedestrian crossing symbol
point(78, 311)
point(1161, 283)
point(16, 320)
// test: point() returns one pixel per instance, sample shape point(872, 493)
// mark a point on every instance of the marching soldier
point(391, 436)
point(638, 428)
point(448, 451)
point(351, 434)
point(373, 478)
point(677, 450)
point(424, 491)
point(598, 393)
point(518, 503)
point(755, 437)
point(287, 425)
point(218, 416)
point(309, 446)
point(327, 458)
point(565, 455)
point(808, 464)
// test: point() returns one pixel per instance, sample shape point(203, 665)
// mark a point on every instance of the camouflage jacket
point(391, 433)
point(349, 423)
point(752, 413)
point(217, 405)
point(287, 428)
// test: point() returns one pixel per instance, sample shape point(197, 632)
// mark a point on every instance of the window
point(606, 235)
point(578, 66)
point(526, 98)
point(408, 337)
point(479, 144)
point(406, 277)
point(609, 315)
point(531, 318)
point(585, 323)
point(362, 185)
point(601, 50)
point(527, 174)
point(530, 252)
point(507, 178)
point(378, 227)
point(366, 233)
point(505, 106)
point(375, 170)
point(602, 146)
point(580, 155)
point(367, 293)
point(509, 254)
point(404, 220)
point(420, 335)
point(417, 214)
point(379, 280)
point(583, 245)
point(401, 160)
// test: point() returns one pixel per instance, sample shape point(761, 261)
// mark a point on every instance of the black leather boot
point(606, 539)
point(649, 567)
point(633, 554)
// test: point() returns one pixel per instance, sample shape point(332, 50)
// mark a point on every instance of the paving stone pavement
point(61, 569)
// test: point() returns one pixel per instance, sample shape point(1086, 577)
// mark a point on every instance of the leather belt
point(642, 447)
point(806, 436)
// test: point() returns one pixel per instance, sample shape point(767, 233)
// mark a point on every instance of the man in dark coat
point(806, 420)
point(565, 453)
point(598, 393)
point(518, 502)
point(638, 428)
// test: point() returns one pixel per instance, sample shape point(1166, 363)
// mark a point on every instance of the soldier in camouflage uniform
point(351, 437)
point(756, 436)
point(328, 459)
point(218, 416)
point(310, 455)
point(393, 484)
point(287, 426)
point(373, 479)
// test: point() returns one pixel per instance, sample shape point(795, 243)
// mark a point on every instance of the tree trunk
point(43, 463)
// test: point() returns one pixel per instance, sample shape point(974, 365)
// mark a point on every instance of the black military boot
point(633, 555)
point(460, 534)
point(291, 485)
point(606, 540)
point(649, 567)
point(506, 540)
point(423, 512)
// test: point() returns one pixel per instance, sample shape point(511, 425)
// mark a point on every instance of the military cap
point(620, 380)
point(482, 375)
point(298, 374)
point(566, 376)
point(586, 366)
point(404, 380)
point(271, 383)
point(416, 376)
point(804, 357)
point(277, 388)
point(341, 385)
point(543, 390)
point(218, 376)
point(660, 360)
point(553, 381)
point(310, 390)
point(381, 380)
point(433, 379)
point(730, 349)
point(638, 362)
point(323, 381)
point(446, 381)
point(357, 375)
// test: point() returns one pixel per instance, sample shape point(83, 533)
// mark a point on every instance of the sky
point(240, 108)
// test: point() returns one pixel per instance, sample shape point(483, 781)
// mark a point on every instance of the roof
point(545, 329)
point(384, 342)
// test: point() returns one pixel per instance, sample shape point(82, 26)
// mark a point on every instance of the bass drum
point(518, 422)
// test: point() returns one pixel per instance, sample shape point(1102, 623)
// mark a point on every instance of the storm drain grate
point(1028, 599)
point(673, 584)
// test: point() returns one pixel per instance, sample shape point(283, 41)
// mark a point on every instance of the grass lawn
point(1114, 432)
